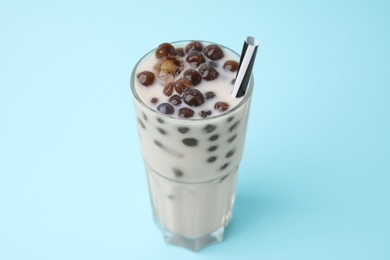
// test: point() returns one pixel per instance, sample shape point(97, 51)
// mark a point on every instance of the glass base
point(192, 215)
point(194, 244)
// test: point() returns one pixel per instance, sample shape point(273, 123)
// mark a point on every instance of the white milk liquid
point(192, 164)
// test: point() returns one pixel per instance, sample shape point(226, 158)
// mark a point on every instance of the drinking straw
point(247, 60)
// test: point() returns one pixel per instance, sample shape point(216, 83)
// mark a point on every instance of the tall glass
point(191, 166)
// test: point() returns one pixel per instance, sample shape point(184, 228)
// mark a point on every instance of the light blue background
point(314, 181)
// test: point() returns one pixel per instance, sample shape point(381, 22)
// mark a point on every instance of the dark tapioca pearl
point(230, 65)
point(180, 86)
point(230, 119)
point(146, 78)
point(234, 126)
point(209, 94)
point(213, 137)
point(162, 131)
point(212, 159)
point(158, 143)
point(223, 178)
point(209, 128)
point(195, 58)
point(233, 81)
point(180, 52)
point(213, 52)
point(190, 142)
point(191, 78)
point(230, 153)
point(223, 167)
point(166, 108)
point(208, 72)
point(213, 148)
point(195, 45)
point(168, 89)
point(213, 63)
point(154, 100)
point(186, 112)
point(178, 173)
point(144, 116)
point(168, 150)
point(160, 120)
point(141, 123)
point(164, 50)
point(175, 100)
point(221, 106)
point(183, 130)
point(205, 113)
point(231, 139)
point(193, 97)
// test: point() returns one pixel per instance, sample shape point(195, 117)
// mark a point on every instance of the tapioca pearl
point(144, 116)
point(166, 108)
point(213, 52)
point(230, 153)
point(230, 65)
point(168, 150)
point(195, 58)
point(168, 68)
point(175, 100)
point(230, 119)
point(154, 100)
point(223, 178)
point(195, 45)
point(146, 78)
point(209, 94)
point(223, 167)
point(221, 106)
point(234, 126)
point(168, 89)
point(141, 123)
point(186, 112)
point(212, 159)
point(178, 173)
point(180, 52)
point(165, 49)
point(192, 97)
point(180, 86)
point(160, 120)
point(205, 113)
point(183, 130)
point(162, 131)
point(231, 139)
point(209, 128)
point(213, 148)
point(213, 137)
point(208, 72)
point(158, 143)
point(191, 78)
point(213, 63)
point(191, 142)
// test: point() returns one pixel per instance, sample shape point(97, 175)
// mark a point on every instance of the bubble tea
point(192, 133)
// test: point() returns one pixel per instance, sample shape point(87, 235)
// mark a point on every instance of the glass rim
point(247, 95)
